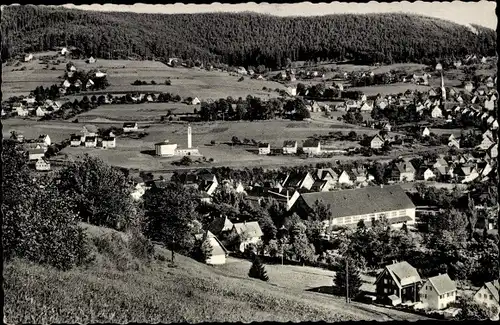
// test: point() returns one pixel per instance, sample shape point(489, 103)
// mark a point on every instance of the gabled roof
point(217, 247)
point(36, 151)
point(264, 145)
point(251, 228)
point(442, 283)
point(129, 124)
point(360, 201)
point(295, 179)
point(405, 167)
point(493, 287)
point(403, 273)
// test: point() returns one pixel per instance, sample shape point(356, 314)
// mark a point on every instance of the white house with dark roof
point(42, 165)
point(289, 147)
point(398, 283)
point(219, 252)
point(488, 294)
point(312, 147)
point(264, 148)
point(438, 292)
point(90, 130)
point(130, 127)
point(348, 207)
point(248, 233)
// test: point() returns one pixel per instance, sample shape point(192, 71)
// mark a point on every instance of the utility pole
point(347, 280)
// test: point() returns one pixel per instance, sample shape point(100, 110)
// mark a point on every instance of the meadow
point(144, 112)
point(119, 288)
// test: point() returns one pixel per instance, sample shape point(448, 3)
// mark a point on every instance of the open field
point(135, 112)
point(17, 83)
point(137, 154)
point(191, 292)
point(122, 73)
point(185, 82)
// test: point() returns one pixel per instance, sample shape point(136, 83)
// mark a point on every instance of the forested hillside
point(240, 39)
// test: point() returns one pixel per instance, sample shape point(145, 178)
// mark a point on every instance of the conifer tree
point(258, 270)
point(206, 250)
point(340, 278)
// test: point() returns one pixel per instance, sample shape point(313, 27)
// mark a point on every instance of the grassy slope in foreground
point(191, 292)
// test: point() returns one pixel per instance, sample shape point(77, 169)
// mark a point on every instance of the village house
point(291, 91)
point(247, 233)
point(207, 183)
point(91, 60)
point(66, 84)
point(90, 141)
point(139, 188)
point(367, 106)
point(45, 139)
point(436, 112)
point(403, 172)
point(426, 132)
point(42, 165)
point(100, 74)
point(75, 140)
point(489, 104)
point(377, 142)
point(348, 207)
point(438, 292)
point(312, 147)
point(398, 283)
point(345, 178)
point(487, 295)
point(426, 173)
point(290, 147)
point(195, 101)
point(220, 225)
point(36, 154)
point(64, 51)
point(130, 127)
point(264, 148)
point(328, 178)
point(108, 142)
point(487, 142)
point(28, 57)
point(469, 87)
point(219, 252)
point(297, 181)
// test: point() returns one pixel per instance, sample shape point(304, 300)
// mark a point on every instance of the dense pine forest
point(241, 39)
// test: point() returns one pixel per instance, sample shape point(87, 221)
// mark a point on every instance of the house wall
point(130, 129)
point(33, 156)
point(484, 297)
point(109, 144)
point(287, 150)
point(165, 149)
point(75, 143)
point(376, 144)
point(349, 220)
point(42, 166)
point(264, 151)
point(216, 259)
point(386, 287)
point(187, 152)
point(312, 150)
point(345, 179)
point(407, 176)
point(90, 144)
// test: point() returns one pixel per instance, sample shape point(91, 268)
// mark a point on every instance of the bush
point(258, 270)
point(153, 82)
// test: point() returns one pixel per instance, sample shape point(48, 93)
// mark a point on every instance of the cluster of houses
point(27, 107)
point(167, 149)
point(36, 149)
point(89, 138)
point(400, 284)
point(71, 69)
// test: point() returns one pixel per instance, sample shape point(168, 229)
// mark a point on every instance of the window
point(491, 297)
point(385, 281)
point(402, 213)
point(394, 213)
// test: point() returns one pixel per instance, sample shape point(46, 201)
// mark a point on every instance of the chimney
point(394, 261)
point(189, 137)
point(381, 185)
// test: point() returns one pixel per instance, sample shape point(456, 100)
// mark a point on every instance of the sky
point(464, 13)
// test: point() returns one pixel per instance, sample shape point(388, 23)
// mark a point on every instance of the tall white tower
point(189, 137)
